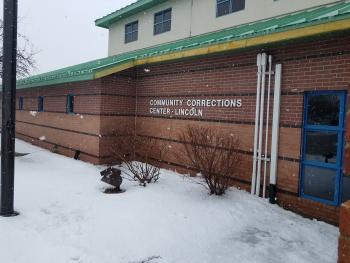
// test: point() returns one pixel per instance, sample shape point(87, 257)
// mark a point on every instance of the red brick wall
point(317, 65)
point(123, 99)
point(99, 106)
point(344, 239)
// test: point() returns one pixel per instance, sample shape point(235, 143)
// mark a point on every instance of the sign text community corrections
point(189, 107)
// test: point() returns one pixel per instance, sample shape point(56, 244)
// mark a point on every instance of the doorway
point(323, 146)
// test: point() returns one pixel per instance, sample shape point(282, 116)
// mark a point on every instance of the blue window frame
point(70, 103)
point(224, 7)
point(323, 146)
point(162, 22)
point(20, 103)
point(41, 104)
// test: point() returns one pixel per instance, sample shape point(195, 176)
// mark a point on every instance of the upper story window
point(162, 21)
point(131, 32)
point(224, 7)
point(41, 104)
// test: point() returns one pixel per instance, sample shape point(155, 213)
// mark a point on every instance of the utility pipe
point(267, 125)
point(262, 105)
point(275, 133)
point(256, 129)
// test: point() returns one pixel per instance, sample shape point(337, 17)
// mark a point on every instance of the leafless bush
point(25, 54)
point(213, 154)
point(136, 153)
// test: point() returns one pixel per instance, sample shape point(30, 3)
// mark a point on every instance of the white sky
point(63, 31)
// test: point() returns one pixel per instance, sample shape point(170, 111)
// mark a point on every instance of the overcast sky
point(63, 31)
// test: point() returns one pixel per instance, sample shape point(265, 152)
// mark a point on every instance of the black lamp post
point(8, 108)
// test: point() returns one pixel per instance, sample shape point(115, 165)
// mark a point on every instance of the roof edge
point(54, 82)
point(126, 11)
point(299, 33)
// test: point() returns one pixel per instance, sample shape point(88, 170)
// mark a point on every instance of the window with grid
point(224, 7)
point(162, 21)
point(322, 177)
point(131, 32)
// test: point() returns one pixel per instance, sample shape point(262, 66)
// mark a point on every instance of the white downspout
point(262, 106)
point(267, 126)
point(275, 133)
point(258, 88)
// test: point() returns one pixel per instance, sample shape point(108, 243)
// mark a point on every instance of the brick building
point(211, 79)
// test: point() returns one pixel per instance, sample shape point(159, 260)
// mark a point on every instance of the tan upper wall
point(180, 28)
point(204, 19)
point(195, 17)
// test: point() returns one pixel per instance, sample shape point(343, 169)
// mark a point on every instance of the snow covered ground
point(65, 217)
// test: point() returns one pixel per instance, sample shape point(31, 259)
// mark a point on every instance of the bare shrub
point(25, 54)
point(213, 154)
point(137, 153)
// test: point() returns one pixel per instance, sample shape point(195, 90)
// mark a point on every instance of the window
point(162, 22)
point(224, 7)
point(346, 189)
point(323, 136)
point(20, 103)
point(40, 104)
point(131, 32)
point(70, 103)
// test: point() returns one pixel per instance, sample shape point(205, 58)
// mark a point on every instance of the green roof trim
point(331, 15)
point(127, 11)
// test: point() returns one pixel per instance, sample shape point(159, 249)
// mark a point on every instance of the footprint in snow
point(152, 259)
point(45, 211)
point(75, 258)
point(254, 236)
